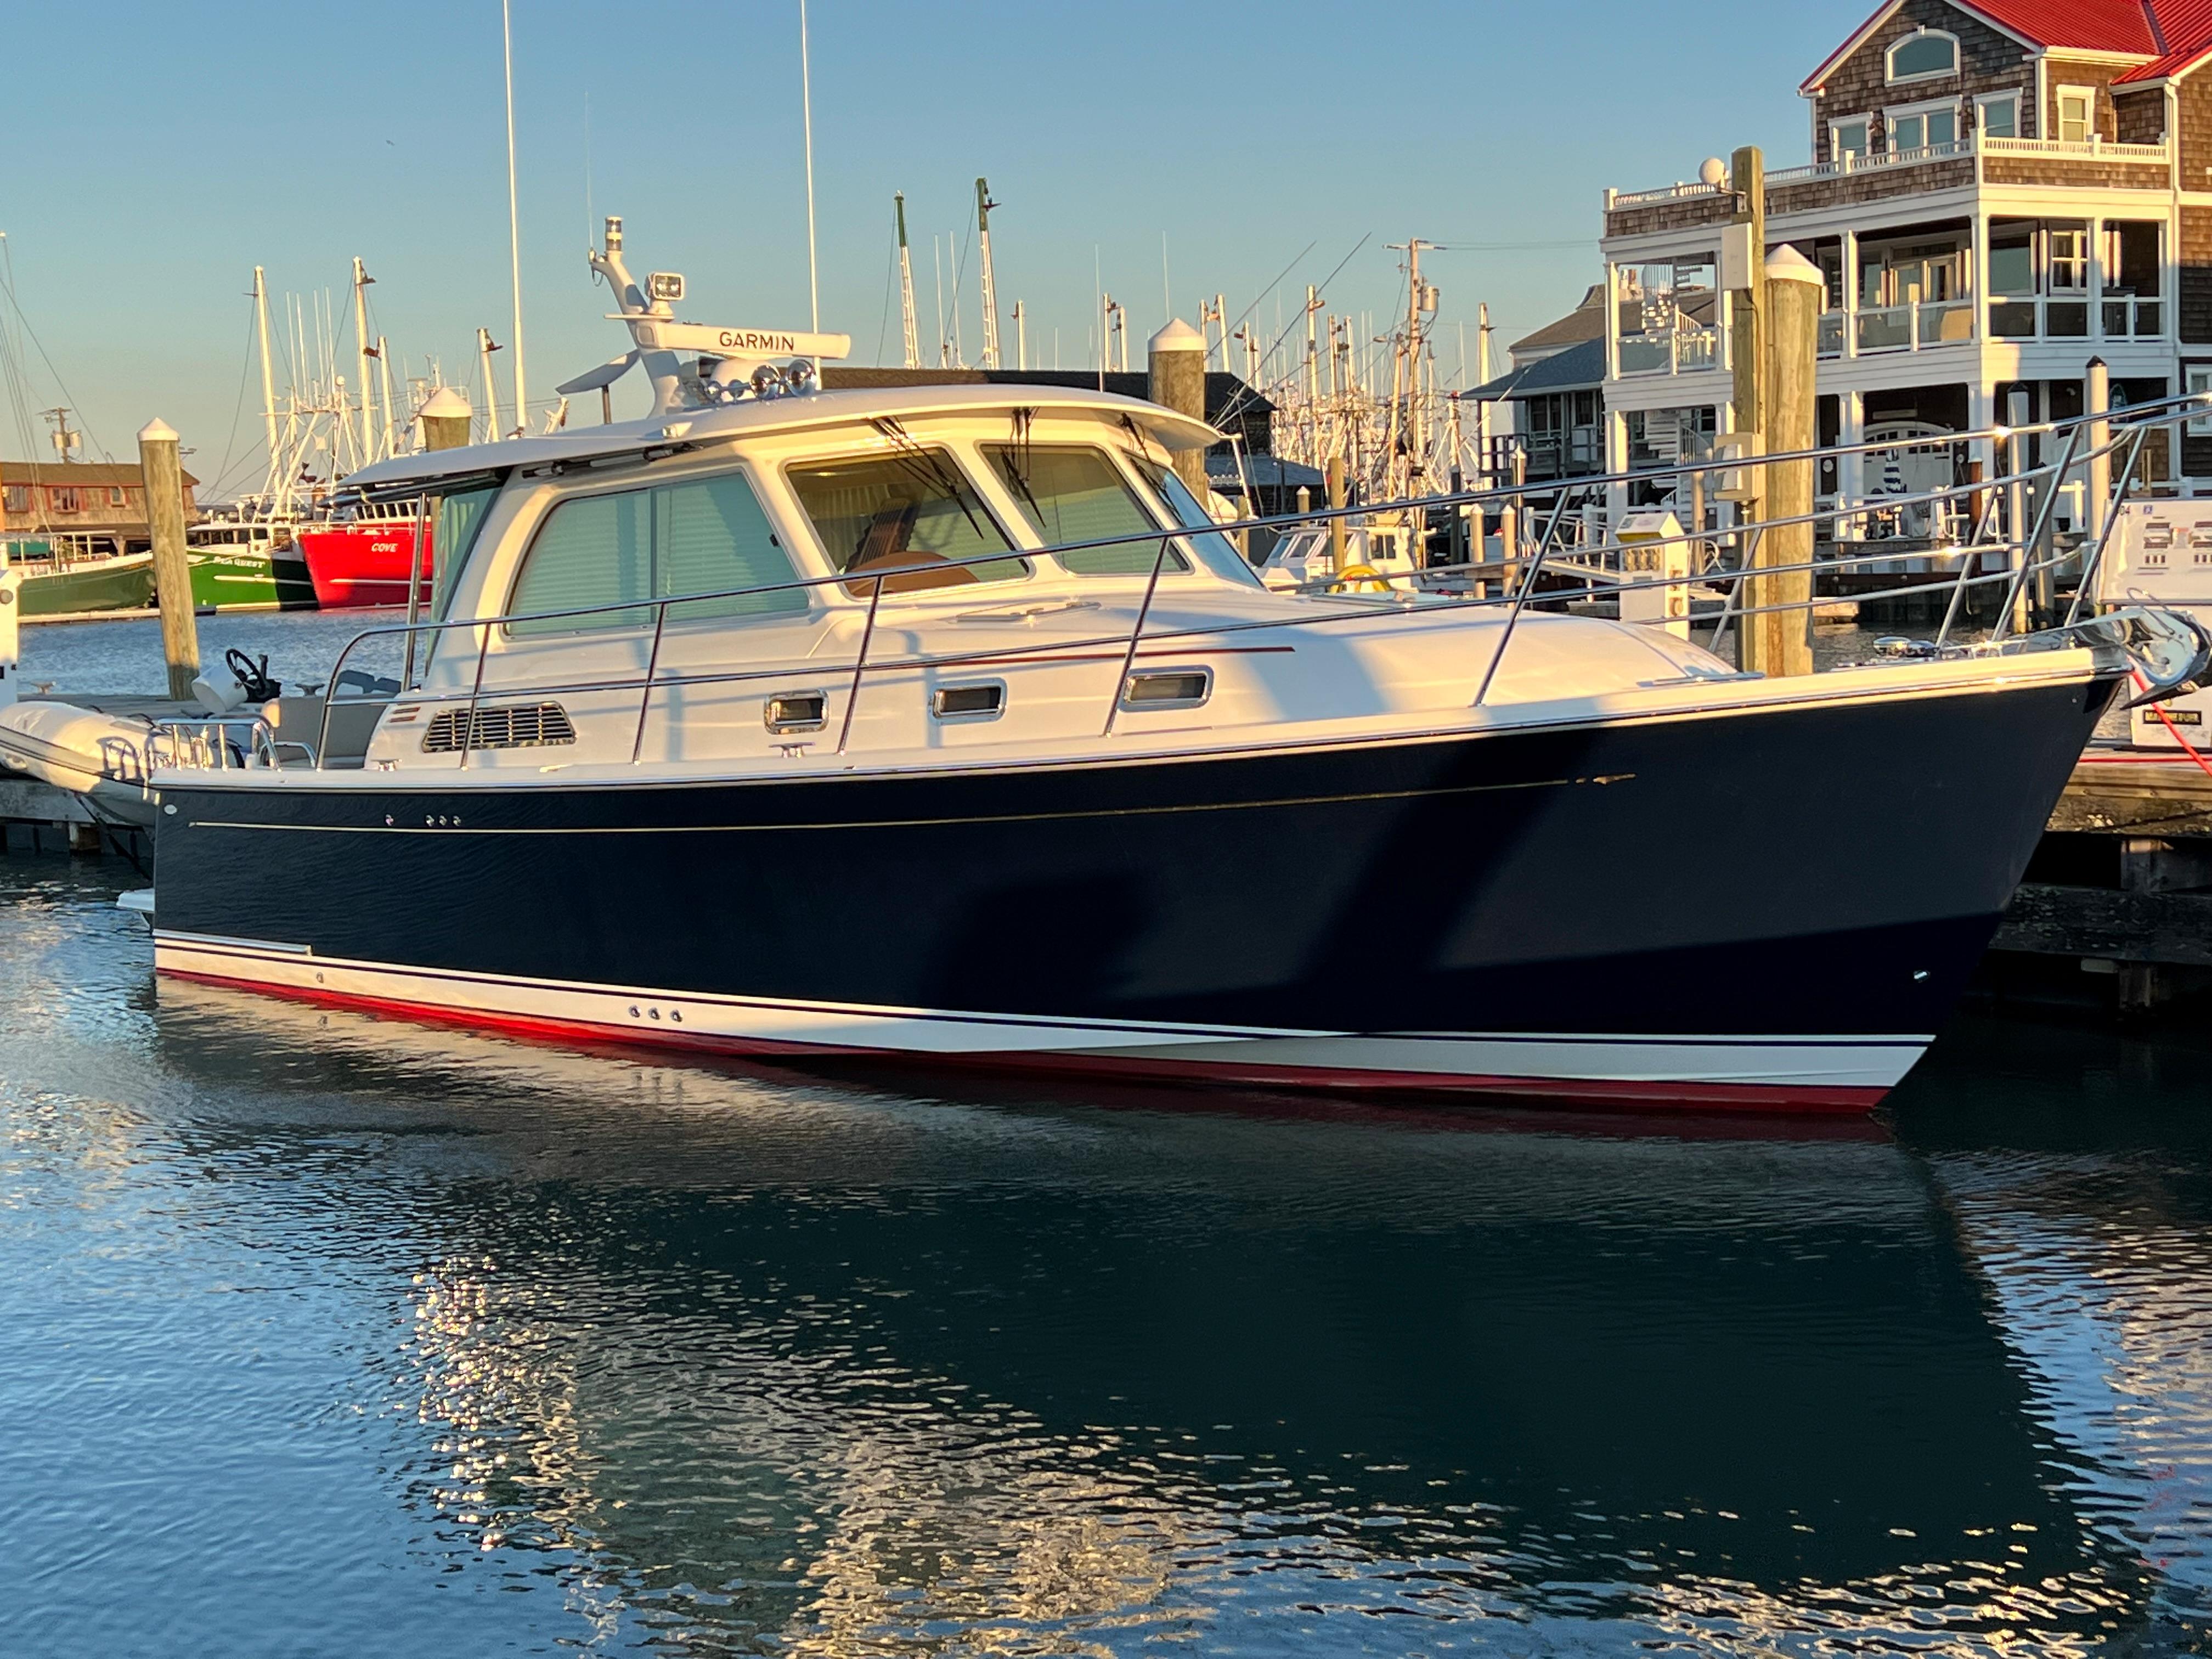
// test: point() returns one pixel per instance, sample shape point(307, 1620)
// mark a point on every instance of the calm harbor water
point(321, 1333)
point(328, 1334)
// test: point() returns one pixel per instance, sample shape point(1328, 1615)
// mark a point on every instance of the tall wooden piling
point(163, 473)
point(1781, 641)
point(1176, 360)
point(1335, 476)
point(446, 418)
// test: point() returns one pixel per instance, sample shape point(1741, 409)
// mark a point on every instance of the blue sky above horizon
point(158, 153)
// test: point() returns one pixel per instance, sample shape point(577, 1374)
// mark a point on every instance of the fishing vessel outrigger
point(941, 722)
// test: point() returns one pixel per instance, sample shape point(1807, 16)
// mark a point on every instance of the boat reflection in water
point(758, 1362)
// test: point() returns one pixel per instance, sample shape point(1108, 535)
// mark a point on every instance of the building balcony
point(1875, 331)
point(1852, 179)
point(1676, 351)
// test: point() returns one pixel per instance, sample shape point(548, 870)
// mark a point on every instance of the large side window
point(1077, 494)
point(592, 550)
point(912, 513)
point(711, 537)
point(706, 536)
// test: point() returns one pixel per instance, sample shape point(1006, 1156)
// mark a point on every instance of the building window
point(1928, 55)
point(2070, 259)
point(2196, 380)
point(2077, 111)
point(118, 496)
point(15, 498)
point(2000, 115)
point(66, 499)
point(1922, 128)
point(1848, 140)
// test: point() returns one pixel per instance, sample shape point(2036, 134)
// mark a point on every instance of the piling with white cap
point(446, 418)
point(1176, 359)
point(1781, 641)
point(164, 480)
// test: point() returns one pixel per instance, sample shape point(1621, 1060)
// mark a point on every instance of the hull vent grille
point(516, 726)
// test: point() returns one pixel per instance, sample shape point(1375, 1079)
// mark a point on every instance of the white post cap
point(1177, 336)
point(1787, 265)
point(447, 402)
point(157, 431)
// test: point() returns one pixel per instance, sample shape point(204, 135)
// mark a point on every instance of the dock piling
point(1780, 642)
point(163, 472)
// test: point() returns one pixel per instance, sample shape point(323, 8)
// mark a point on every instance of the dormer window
point(1925, 55)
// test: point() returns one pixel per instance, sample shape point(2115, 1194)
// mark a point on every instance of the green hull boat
point(125, 583)
point(251, 579)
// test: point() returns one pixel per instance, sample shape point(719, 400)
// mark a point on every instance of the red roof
point(2173, 34)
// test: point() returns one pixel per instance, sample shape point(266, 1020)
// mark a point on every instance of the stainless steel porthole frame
point(781, 711)
point(1194, 680)
point(966, 702)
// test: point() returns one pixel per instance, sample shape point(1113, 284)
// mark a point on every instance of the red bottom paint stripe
point(1614, 1093)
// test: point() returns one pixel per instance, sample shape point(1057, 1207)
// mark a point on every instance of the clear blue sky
point(157, 153)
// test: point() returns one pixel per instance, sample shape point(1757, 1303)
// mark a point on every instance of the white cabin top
point(693, 428)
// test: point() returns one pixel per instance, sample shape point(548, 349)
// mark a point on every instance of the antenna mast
point(983, 206)
point(906, 288)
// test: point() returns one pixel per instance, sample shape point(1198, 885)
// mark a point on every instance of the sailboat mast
point(268, 379)
point(514, 229)
point(484, 349)
point(384, 440)
point(363, 439)
point(906, 288)
point(983, 206)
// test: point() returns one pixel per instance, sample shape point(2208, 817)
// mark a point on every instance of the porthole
point(985, 699)
point(1168, 688)
point(796, 711)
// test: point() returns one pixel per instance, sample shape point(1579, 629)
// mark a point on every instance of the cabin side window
point(453, 534)
point(708, 536)
point(1215, 550)
point(913, 513)
point(1077, 495)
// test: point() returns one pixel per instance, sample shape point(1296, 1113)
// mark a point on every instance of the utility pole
point(983, 206)
point(906, 288)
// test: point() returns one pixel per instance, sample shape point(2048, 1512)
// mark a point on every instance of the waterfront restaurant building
point(1999, 190)
point(86, 507)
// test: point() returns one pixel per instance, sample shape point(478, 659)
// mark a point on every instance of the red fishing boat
point(365, 560)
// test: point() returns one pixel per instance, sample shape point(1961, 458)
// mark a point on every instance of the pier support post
point(164, 477)
point(1781, 641)
point(1175, 357)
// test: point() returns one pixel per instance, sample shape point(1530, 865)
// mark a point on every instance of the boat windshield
point(906, 511)
point(1077, 495)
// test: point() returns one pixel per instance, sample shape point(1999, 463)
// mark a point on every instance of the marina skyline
point(1214, 154)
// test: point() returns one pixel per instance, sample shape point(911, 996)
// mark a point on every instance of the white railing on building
point(1674, 351)
point(2092, 150)
point(2081, 149)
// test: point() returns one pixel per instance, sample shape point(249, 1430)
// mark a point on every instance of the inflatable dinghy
point(101, 757)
